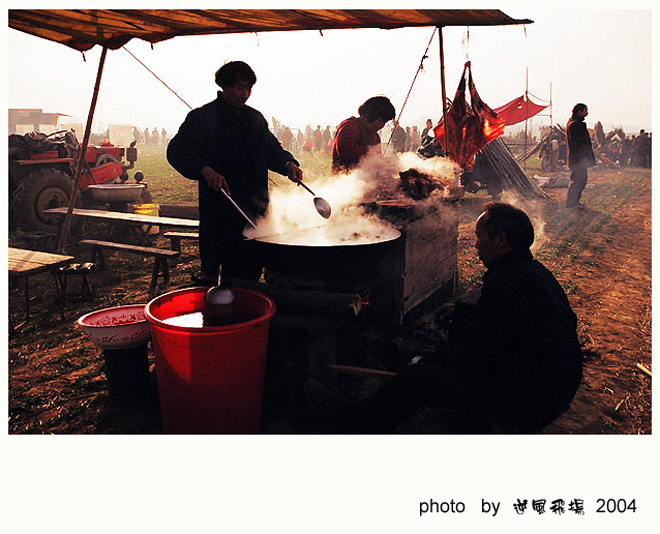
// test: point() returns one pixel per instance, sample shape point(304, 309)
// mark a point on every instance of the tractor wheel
point(105, 158)
point(38, 191)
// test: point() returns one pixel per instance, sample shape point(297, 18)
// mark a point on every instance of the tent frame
point(44, 23)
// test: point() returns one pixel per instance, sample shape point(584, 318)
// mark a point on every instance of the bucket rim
point(82, 320)
point(154, 321)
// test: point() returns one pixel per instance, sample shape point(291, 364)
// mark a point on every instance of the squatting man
point(512, 361)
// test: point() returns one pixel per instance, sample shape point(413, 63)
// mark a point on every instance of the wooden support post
point(443, 86)
point(81, 156)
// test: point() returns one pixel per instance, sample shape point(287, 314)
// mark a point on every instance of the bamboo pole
point(526, 109)
point(81, 157)
point(443, 87)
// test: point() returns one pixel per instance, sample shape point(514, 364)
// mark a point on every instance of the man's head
point(236, 79)
point(500, 229)
point(580, 111)
point(376, 112)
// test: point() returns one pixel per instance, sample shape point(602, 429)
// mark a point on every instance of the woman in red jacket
point(356, 135)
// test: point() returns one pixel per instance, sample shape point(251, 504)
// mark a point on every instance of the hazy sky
point(599, 57)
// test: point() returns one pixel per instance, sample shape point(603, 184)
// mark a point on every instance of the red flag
point(518, 110)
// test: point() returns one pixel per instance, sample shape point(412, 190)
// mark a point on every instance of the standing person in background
point(327, 137)
point(318, 139)
point(427, 128)
point(626, 151)
point(642, 149)
point(358, 135)
point(398, 138)
point(226, 146)
point(580, 155)
point(408, 144)
point(416, 140)
point(286, 138)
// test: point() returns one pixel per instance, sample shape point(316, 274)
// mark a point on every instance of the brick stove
point(321, 329)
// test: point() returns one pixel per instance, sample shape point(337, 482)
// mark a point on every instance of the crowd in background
point(320, 139)
point(632, 151)
point(150, 137)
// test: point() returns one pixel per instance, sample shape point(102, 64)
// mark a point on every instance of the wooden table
point(25, 263)
point(142, 224)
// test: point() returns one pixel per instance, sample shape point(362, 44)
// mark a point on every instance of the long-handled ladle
point(218, 295)
point(320, 204)
point(239, 209)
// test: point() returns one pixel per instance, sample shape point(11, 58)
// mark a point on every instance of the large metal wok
point(337, 258)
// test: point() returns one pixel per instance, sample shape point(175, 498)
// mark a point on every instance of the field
point(601, 256)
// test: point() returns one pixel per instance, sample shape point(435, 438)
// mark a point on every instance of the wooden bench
point(75, 269)
point(160, 257)
point(176, 237)
point(25, 263)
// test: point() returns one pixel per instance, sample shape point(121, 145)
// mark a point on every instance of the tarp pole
point(551, 123)
point(526, 111)
point(81, 157)
point(443, 88)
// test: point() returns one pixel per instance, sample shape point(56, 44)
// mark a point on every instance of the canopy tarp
point(518, 110)
point(81, 29)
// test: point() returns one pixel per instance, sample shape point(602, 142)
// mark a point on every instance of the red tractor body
point(42, 171)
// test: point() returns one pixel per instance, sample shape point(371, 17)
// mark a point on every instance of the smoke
point(292, 217)
point(534, 209)
point(381, 174)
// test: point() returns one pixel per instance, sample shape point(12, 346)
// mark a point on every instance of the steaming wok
point(334, 258)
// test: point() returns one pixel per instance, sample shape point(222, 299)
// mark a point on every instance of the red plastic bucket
point(210, 379)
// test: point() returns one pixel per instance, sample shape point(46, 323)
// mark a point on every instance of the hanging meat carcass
point(469, 127)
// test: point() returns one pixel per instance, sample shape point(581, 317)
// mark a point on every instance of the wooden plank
point(360, 371)
point(24, 262)
point(176, 237)
point(135, 249)
point(306, 302)
point(182, 235)
point(129, 218)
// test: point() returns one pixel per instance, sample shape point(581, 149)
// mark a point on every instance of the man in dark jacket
point(580, 155)
point(513, 360)
point(226, 145)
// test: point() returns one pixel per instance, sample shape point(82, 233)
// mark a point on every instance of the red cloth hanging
point(518, 110)
point(469, 128)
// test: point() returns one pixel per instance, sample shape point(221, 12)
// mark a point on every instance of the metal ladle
point(320, 204)
point(218, 295)
point(239, 211)
point(218, 298)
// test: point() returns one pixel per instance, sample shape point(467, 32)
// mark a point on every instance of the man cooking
point(512, 361)
point(226, 146)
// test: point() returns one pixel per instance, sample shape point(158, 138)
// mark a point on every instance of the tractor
point(41, 175)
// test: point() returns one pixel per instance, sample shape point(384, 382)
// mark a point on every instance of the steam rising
point(292, 218)
point(534, 210)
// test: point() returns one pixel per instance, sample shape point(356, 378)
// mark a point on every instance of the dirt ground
point(601, 255)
